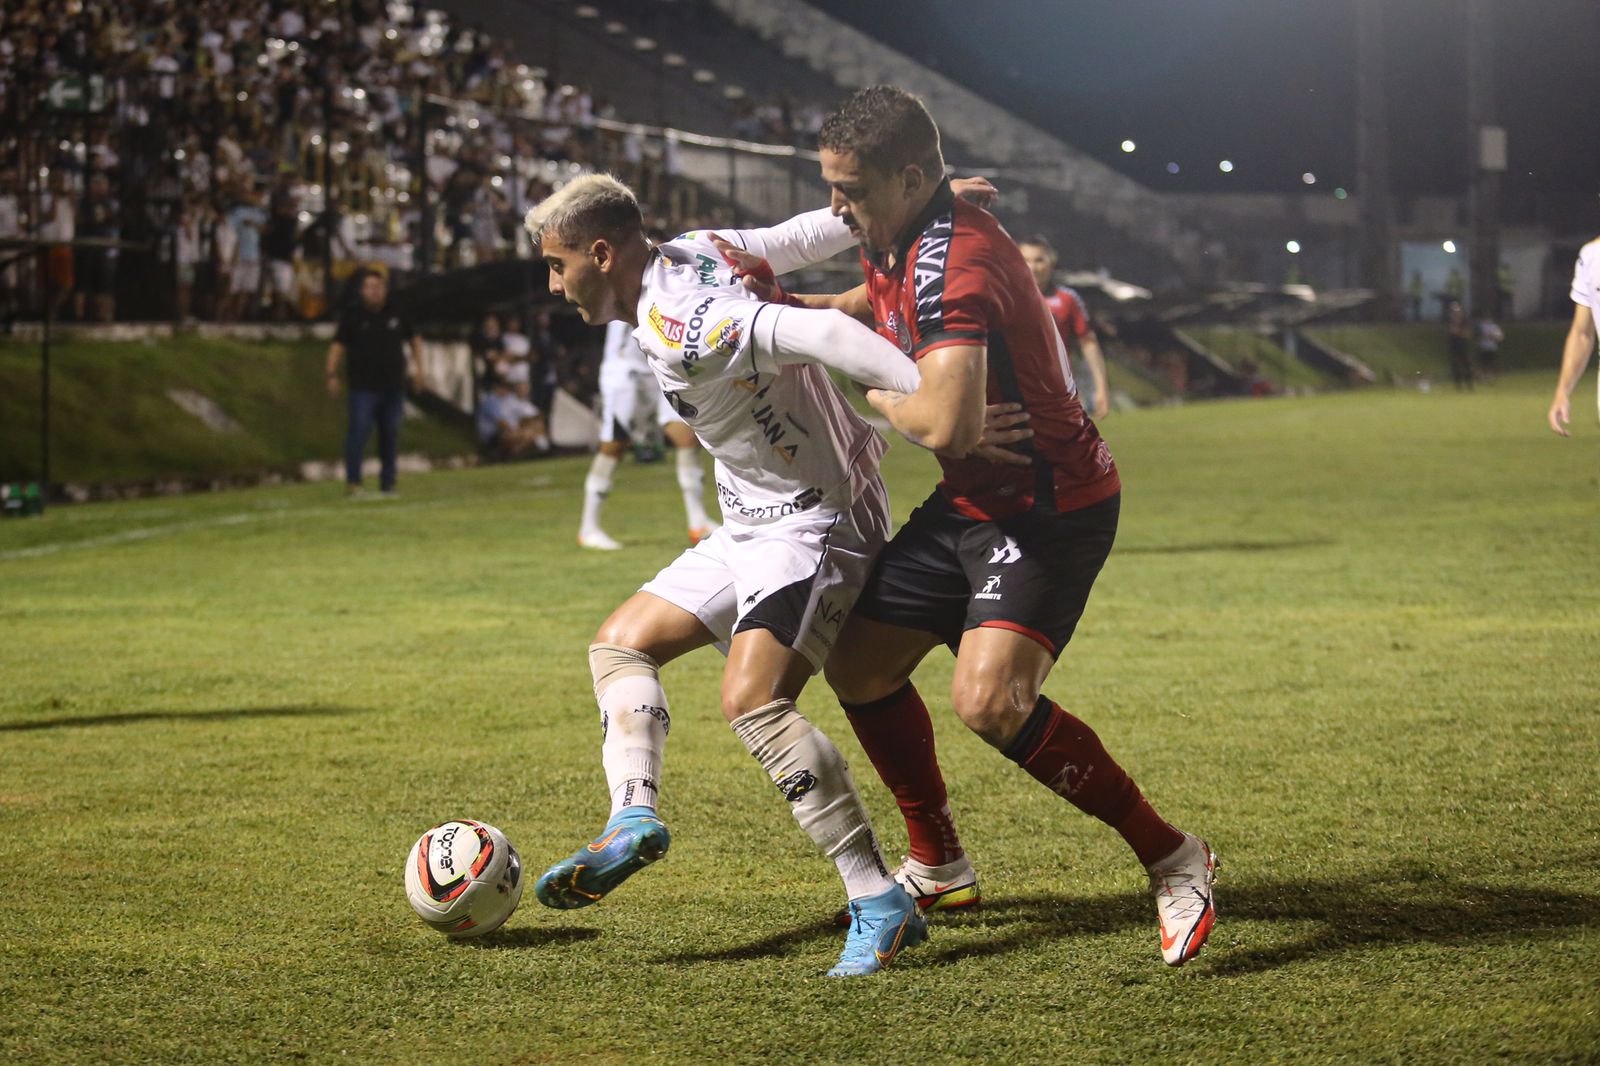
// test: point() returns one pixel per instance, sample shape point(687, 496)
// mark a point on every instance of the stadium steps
point(1330, 361)
point(1067, 178)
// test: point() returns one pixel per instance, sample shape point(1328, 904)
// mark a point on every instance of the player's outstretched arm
point(816, 236)
point(831, 339)
point(1574, 361)
point(946, 413)
point(802, 241)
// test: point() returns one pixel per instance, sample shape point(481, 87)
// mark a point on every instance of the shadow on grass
point(768, 947)
point(1245, 546)
point(1394, 907)
point(529, 937)
point(220, 714)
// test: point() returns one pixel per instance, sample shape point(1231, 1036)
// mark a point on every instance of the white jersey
point(1586, 284)
point(621, 360)
point(784, 438)
point(1586, 277)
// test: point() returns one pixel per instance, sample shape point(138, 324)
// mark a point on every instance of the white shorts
point(634, 409)
point(796, 577)
point(246, 278)
point(280, 277)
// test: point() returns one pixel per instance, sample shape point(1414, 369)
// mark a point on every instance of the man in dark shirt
point(375, 338)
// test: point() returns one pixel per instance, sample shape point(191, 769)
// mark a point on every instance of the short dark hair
point(887, 128)
point(1039, 240)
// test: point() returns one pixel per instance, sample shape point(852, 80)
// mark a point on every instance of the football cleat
point(632, 840)
point(935, 888)
point(599, 541)
point(1181, 884)
point(700, 533)
point(881, 927)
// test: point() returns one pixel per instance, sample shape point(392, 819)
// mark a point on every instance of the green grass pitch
point(1353, 639)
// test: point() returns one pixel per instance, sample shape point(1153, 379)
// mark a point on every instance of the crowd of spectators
point(244, 149)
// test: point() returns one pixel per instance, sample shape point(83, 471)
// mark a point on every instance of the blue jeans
point(384, 408)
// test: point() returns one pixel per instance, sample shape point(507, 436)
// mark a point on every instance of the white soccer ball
point(463, 878)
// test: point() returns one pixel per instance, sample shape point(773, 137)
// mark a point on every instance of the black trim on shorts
point(783, 613)
point(945, 573)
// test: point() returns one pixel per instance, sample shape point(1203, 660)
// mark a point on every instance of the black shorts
point(945, 573)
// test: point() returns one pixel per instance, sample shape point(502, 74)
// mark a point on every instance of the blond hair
point(586, 208)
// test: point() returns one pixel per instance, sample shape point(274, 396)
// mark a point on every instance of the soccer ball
point(463, 878)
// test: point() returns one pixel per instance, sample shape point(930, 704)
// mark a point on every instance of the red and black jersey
point(958, 278)
point(1066, 307)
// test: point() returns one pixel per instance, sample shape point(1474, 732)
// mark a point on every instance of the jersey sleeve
point(805, 239)
point(1077, 317)
point(345, 332)
point(833, 339)
point(1586, 277)
point(956, 301)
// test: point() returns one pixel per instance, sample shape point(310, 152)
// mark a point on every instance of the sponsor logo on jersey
point(901, 330)
point(927, 273)
point(670, 330)
point(988, 592)
point(724, 337)
point(786, 452)
point(705, 268)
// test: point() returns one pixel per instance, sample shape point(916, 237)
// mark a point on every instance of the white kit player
point(632, 406)
point(804, 515)
point(1580, 335)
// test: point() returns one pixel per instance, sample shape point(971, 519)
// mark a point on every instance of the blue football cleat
point(880, 926)
point(633, 839)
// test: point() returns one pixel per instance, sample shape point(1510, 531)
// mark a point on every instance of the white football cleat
point(949, 887)
point(599, 540)
point(1181, 884)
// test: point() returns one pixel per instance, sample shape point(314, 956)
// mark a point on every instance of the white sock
point(595, 488)
point(813, 777)
point(692, 480)
point(634, 722)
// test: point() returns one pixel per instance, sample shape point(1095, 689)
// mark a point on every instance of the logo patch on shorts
point(670, 330)
point(988, 592)
point(1006, 553)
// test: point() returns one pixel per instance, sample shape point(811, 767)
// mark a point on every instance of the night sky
point(1270, 85)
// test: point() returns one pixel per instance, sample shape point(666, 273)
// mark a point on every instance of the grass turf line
point(1349, 638)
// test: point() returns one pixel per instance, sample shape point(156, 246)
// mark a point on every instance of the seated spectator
point(508, 422)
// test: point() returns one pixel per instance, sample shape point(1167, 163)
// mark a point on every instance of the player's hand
point(333, 386)
point(1102, 404)
point(1560, 416)
point(979, 191)
point(752, 271)
point(1003, 424)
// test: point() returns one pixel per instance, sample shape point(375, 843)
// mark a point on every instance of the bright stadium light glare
point(1292, 247)
point(1128, 146)
point(1309, 178)
point(1340, 193)
point(1226, 166)
point(1173, 168)
point(1449, 247)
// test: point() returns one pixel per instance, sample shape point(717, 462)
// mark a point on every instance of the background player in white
point(1580, 337)
point(631, 406)
point(804, 510)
